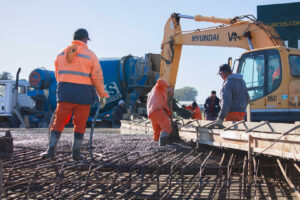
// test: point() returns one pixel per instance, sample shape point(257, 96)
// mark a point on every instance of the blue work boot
point(54, 137)
point(77, 142)
point(164, 138)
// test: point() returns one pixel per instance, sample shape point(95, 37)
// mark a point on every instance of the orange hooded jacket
point(78, 73)
point(196, 112)
point(157, 98)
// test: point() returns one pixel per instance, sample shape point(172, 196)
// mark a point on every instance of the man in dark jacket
point(212, 106)
point(117, 114)
point(234, 96)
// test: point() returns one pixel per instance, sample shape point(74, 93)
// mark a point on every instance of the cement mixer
point(129, 78)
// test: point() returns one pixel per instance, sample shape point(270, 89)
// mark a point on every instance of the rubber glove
point(219, 122)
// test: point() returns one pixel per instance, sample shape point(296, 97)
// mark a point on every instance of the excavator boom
point(236, 32)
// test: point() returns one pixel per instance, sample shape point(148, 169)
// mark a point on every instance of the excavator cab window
point(295, 65)
point(253, 70)
point(261, 72)
point(274, 72)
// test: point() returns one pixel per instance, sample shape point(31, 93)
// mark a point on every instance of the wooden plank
point(287, 146)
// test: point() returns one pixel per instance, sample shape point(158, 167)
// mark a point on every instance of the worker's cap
point(80, 34)
point(121, 102)
point(194, 104)
point(225, 68)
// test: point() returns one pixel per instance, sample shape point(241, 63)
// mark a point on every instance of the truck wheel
point(14, 122)
point(4, 124)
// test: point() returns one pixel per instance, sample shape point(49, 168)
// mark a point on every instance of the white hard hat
point(121, 102)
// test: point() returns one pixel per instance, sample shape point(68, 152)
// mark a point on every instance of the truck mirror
point(236, 60)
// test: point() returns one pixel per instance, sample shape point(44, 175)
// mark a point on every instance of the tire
point(14, 122)
point(5, 124)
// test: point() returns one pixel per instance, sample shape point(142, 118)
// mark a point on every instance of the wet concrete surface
point(104, 140)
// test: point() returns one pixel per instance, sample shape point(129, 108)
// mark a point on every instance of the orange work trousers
point(63, 114)
point(235, 116)
point(160, 122)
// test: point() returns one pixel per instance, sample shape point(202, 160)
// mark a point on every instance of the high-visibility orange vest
point(276, 74)
point(196, 112)
point(78, 73)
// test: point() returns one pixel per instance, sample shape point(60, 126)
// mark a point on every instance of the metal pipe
point(1, 179)
point(186, 16)
point(92, 131)
point(250, 179)
point(207, 19)
point(250, 43)
point(292, 186)
point(212, 19)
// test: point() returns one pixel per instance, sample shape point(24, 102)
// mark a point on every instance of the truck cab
point(272, 77)
point(7, 113)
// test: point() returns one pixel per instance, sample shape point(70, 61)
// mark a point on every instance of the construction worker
point(276, 78)
point(212, 106)
point(78, 73)
point(159, 112)
point(195, 109)
point(234, 96)
point(117, 114)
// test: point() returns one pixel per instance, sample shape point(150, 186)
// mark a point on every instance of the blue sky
point(33, 32)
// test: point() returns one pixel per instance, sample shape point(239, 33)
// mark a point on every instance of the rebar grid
point(193, 174)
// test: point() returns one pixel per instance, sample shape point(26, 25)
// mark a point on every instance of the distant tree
point(6, 76)
point(186, 94)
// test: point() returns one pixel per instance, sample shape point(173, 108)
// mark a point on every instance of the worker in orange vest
point(196, 111)
point(234, 96)
point(78, 73)
point(159, 112)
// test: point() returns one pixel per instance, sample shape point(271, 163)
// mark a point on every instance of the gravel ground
point(104, 140)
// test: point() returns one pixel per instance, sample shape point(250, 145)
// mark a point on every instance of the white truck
point(13, 101)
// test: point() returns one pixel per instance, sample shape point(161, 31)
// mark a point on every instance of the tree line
point(6, 76)
point(186, 94)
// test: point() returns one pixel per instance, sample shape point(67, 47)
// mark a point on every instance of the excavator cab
point(271, 78)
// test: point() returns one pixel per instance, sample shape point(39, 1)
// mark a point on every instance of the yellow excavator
point(271, 70)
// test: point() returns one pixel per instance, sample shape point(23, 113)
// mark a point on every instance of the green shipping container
point(285, 18)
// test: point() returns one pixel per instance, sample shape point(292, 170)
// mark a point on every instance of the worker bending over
point(195, 109)
point(78, 73)
point(159, 112)
point(117, 114)
point(234, 96)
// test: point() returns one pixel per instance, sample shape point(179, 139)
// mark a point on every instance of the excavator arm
point(236, 32)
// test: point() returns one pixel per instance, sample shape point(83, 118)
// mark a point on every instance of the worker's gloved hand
point(219, 122)
point(102, 101)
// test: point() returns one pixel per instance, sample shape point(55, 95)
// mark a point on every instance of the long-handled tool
point(92, 131)
point(50, 124)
